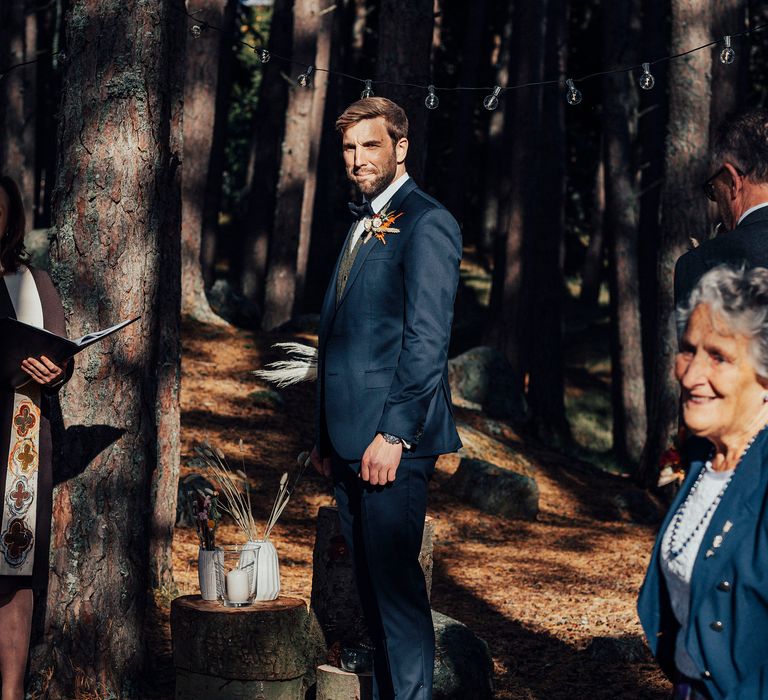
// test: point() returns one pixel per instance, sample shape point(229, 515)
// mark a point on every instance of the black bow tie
point(361, 210)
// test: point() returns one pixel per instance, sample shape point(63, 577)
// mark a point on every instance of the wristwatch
point(391, 439)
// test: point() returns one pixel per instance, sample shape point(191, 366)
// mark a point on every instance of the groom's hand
point(380, 461)
point(321, 464)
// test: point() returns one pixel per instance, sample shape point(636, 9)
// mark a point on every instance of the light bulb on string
point(647, 81)
point(431, 100)
point(573, 97)
point(367, 91)
point(305, 79)
point(727, 55)
point(492, 101)
point(264, 55)
point(196, 31)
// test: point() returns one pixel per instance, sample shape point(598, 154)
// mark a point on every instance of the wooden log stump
point(336, 684)
point(334, 596)
point(262, 651)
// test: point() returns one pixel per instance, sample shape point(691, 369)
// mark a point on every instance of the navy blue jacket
point(383, 351)
point(727, 633)
point(746, 245)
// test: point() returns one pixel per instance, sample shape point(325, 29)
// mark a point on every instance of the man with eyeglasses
point(739, 187)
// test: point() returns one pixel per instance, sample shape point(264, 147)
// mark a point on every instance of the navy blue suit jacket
point(383, 351)
point(746, 245)
point(729, 586)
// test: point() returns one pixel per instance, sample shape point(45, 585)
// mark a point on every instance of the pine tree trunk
point(683, 210)
point(543, 250)
point(652, 127)
point(267, 137)
point(729, 17)
point(281, 285)
point(201, 79)
point(592, 270)
point(405, 43)
point(323, 58)
point(116, 254)
point(495, 167)
point(516, 186)
point(620, 36)
point(18, 44)
point(210, 246)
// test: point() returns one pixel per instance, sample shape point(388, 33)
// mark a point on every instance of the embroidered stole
point(17, 532)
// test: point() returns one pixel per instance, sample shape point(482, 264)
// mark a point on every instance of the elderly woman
point(704, 602)
point(26, 481)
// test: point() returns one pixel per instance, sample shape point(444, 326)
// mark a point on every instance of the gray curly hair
point(740, 297)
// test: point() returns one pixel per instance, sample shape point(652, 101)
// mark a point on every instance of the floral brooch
point(381, 225)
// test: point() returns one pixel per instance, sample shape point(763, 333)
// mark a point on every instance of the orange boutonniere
point(381, 225)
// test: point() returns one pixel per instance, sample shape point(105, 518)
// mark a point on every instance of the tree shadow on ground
point(534, 664)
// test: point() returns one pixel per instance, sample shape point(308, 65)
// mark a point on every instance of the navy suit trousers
point(383, 527)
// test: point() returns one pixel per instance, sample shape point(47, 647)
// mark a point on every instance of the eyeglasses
point(709, 186)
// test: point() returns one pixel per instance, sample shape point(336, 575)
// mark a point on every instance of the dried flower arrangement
point(205, 510)
point(235, 487)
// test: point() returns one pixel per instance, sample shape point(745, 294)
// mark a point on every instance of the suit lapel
point(396, 202)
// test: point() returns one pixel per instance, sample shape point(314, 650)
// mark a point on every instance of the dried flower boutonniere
point(381, 225)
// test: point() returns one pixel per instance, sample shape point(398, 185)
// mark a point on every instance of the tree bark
point(323, 58)
point(281, 285)
point(728, 17)
point(116, 254)
point(473, 54)
point(683, 210)
point(495, 167)
point(543, 250)
point(592, 270)
point(18, 39)
point(521, 119)
point(201, 81)
point(621, 32)
point(652, 127)
point(405, 45)
point(267, 137)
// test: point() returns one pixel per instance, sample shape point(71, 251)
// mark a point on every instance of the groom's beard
point(370, 188)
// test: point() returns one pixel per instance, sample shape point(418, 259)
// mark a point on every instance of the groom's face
point(369, 156)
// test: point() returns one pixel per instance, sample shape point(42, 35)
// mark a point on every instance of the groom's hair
point(743, 138)
point(372, 107)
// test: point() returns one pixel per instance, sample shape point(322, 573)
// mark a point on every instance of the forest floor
point(538, 592)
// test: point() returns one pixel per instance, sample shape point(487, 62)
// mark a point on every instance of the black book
point(19, 340)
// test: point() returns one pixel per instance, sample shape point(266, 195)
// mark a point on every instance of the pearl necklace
point(674, 549)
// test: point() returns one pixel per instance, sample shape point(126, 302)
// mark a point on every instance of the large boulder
point(463, 664)
point(232, 306)
point(495, 490)
point(482, 378)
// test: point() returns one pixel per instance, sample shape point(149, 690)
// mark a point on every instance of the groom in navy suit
point(383, 401)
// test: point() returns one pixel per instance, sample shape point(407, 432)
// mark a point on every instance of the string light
point(196, 30)
point(727, 55)
point(647, 81)
point(431, 101)
point(367, 91)
point(573, 96)
point(305, 79)
point(492, 101)
point(264, 54)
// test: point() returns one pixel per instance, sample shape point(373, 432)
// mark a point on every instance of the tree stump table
point(260, 652)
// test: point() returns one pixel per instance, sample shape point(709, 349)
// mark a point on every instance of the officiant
point(26, 480)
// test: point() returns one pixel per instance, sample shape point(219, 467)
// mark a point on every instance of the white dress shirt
point(377, 204)
point(750, 210)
